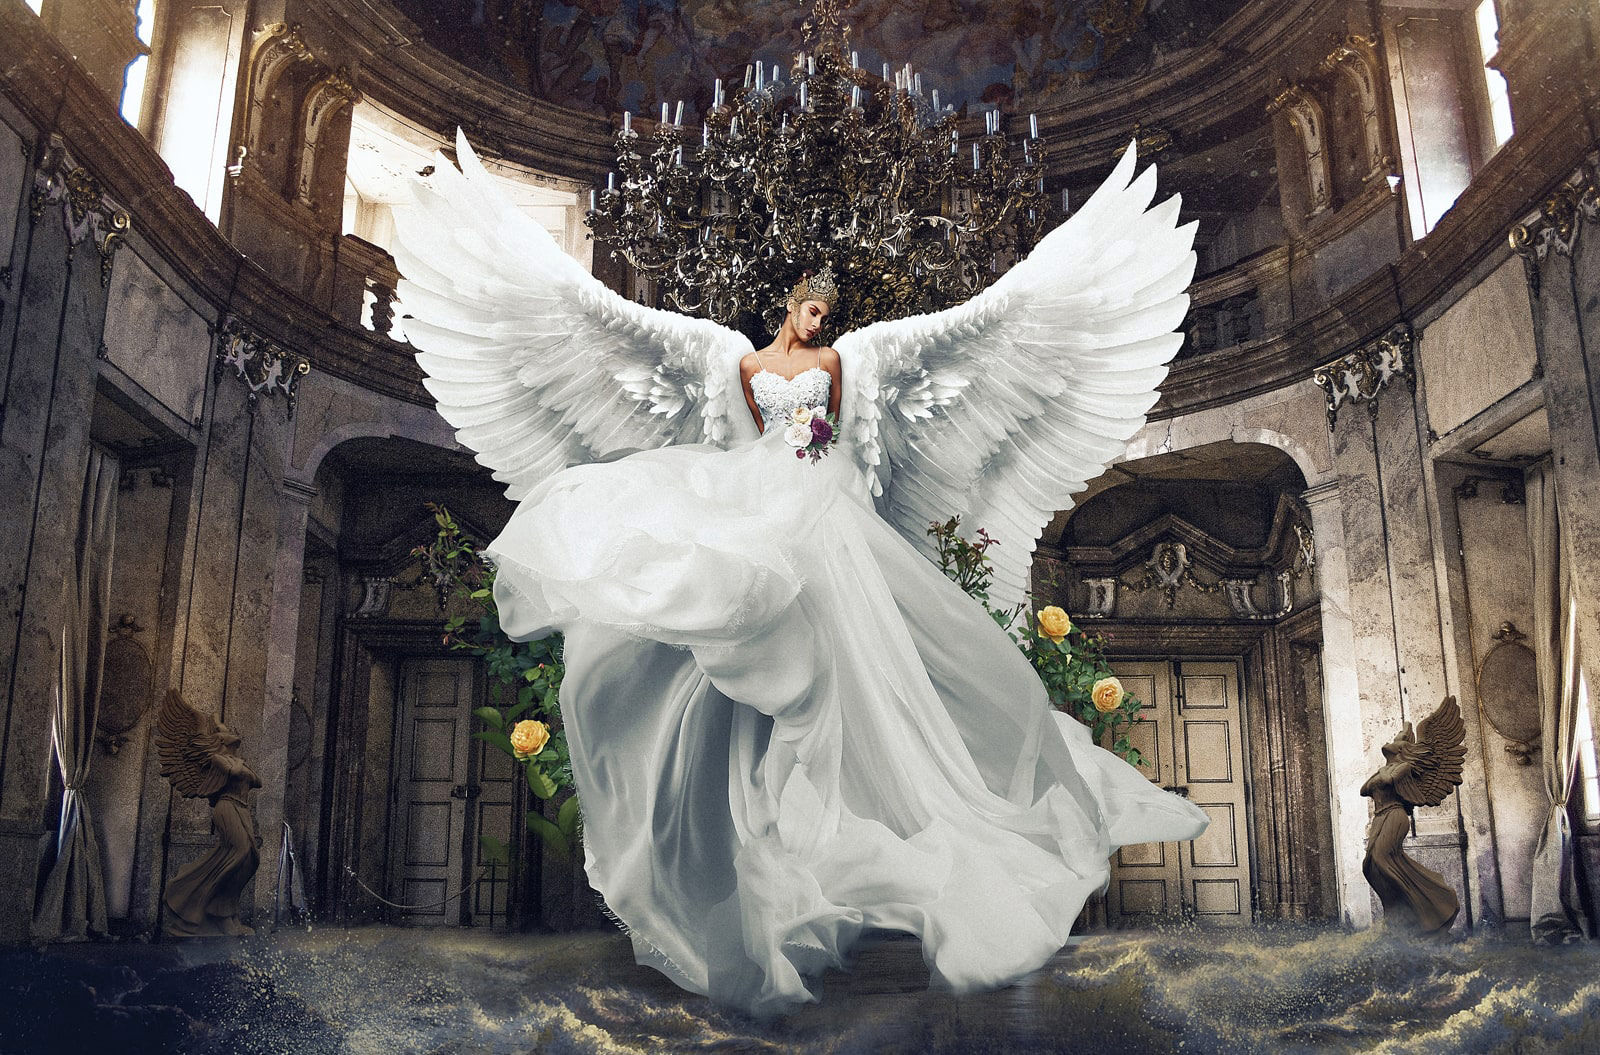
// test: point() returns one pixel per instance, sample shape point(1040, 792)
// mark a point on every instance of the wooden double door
point(1190, 734)
point(449, 789)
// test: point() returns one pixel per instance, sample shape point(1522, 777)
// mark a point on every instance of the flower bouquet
point(811, 431)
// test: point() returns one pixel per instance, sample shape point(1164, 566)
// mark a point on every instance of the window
point(133, 80)
point(1494, 81)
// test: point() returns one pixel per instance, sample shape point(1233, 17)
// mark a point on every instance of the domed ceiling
point(606, 56)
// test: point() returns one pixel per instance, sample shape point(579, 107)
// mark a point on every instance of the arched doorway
point(1199, 569)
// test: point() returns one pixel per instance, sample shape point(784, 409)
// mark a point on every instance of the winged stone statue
point(1421, 768)
point(200, 759)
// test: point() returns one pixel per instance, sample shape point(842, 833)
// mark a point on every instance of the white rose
point(801, 415)
point(819, 412)
point(797, 435)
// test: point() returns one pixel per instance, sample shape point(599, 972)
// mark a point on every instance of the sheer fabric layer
point(787, 726)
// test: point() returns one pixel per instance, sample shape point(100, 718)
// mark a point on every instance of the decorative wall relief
point(1168, 570)
point(1359, 376)
point(86, 210)
point(1310, 122)
point(1182, 558)
point(275, 48)
point(264, 366)
point(1355, 59)
point(325, 99)
point(125, 685)
point(1558, 222)
point(1508, 692)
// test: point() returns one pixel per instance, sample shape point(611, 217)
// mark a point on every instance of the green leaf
point(478, 595)
point(567, 817)
point(549, 834)
point(539, 781)
point(491, 716)
point(493, 851)
point(498, 739)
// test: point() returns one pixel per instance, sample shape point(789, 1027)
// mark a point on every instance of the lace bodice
point(776, 396)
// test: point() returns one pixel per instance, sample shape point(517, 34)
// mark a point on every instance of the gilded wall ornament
point(263, 366)
point(86, 210)
point(1359, 376)
point(1558, 222)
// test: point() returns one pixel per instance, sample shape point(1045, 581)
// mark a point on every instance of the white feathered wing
point(1002, 408)
point(535, 362)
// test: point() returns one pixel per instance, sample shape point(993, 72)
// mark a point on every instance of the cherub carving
point(200, 758)
point(1416, 772)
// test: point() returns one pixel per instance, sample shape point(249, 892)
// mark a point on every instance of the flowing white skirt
point(788, 726)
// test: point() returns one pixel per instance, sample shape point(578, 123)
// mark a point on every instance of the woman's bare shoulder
point(828, 358)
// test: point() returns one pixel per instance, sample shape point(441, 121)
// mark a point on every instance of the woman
point(787, 726)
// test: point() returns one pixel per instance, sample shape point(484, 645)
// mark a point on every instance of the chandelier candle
point(848, 170)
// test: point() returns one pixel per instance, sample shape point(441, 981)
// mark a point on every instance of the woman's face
point(808, 318)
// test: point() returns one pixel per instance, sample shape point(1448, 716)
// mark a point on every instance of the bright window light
point(1583, 737)
point(133, 78)
point(36, 5)
point(1499, 96)
point(133, 89)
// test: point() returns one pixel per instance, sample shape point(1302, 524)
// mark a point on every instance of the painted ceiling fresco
point(606, 56)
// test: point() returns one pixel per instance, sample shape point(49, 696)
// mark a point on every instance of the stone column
point(1393, 601)
point(1341, 704)
point(272, 753)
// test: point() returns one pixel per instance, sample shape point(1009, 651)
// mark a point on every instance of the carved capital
point(1359, 376)
point(263, 365)
point(87, 211)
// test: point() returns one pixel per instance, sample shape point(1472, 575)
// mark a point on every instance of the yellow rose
point(1106, 694)
point(1054, 622)
point(528, 738)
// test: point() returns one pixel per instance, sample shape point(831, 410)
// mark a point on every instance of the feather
point(1004, 407)
point(533, 361)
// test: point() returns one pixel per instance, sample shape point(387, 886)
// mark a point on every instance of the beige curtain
point(1557, 914)
point(72, 898)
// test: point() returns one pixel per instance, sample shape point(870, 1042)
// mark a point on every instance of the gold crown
point(820, 286)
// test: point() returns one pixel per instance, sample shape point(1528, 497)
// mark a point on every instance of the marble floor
point(1185, 989)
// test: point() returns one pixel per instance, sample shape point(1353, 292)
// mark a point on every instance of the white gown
point(788, 726)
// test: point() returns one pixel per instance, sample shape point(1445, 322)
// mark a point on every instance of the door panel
point(1189, 733)
point(1145, 880)
point(1216, 866)
point(430, 792)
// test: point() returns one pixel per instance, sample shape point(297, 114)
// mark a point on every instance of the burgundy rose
point(821, 431)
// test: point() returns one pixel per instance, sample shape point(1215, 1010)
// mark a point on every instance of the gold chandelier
point(833, 165)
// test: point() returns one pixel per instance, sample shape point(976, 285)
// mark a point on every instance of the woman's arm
point(829, 361)
point(748, 368)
